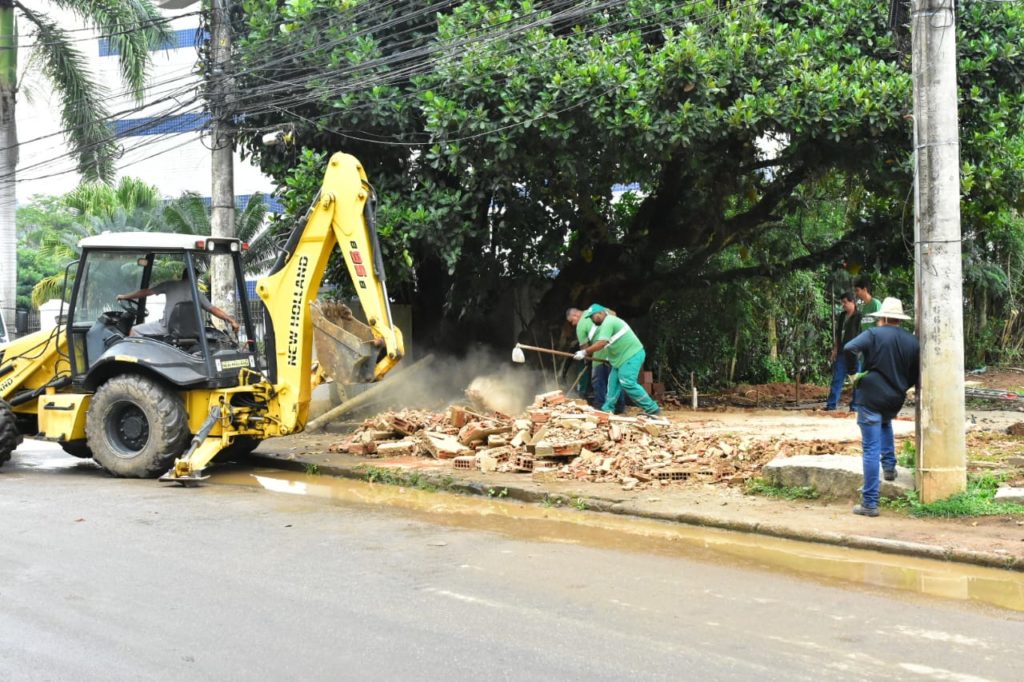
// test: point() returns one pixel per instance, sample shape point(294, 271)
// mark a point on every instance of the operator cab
point(169, 332)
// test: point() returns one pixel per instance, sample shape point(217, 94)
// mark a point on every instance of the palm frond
point(83, 115)
point(187, 215)
point(251, 220)
point(135, 193)
point(99, 199)
point(134, 29)
point(47, 288)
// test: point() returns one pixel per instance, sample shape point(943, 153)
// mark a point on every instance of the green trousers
point(623, 379)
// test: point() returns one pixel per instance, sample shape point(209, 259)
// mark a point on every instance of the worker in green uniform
point(583, 330)
point(586, 330)
point(626, 355)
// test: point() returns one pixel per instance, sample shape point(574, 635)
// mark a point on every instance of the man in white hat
point(891, 365)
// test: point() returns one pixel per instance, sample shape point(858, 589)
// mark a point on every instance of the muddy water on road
point(530, 522)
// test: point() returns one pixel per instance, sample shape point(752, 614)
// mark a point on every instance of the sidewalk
point(986, 541)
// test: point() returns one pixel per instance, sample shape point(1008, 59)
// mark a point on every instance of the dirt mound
point(1008, 378)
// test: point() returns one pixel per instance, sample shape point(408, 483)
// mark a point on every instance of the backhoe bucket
point(345, 347)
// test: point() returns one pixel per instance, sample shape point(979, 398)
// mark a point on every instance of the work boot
point(889, 474)
point(865, 511)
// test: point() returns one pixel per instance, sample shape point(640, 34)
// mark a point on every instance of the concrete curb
point(866, 542)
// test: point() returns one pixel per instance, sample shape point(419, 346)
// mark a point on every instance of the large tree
point(133, 27)
point(496, 131)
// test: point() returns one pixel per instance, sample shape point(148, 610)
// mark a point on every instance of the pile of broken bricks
point(558, 438)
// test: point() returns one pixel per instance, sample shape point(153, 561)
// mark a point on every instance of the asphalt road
point(104, 579)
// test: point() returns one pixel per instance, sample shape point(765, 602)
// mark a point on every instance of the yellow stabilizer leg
point(189, 469)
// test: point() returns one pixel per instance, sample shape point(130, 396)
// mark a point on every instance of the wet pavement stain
point(949, 580)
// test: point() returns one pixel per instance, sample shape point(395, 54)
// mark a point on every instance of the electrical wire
point(658, 26)
point(102, 36)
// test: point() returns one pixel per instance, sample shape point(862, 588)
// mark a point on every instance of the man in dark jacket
point(891, 365)
point(843, 363)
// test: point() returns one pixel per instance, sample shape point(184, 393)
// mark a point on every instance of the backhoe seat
point(181, 325)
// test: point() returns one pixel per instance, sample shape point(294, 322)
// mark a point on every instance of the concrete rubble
point(564, 439)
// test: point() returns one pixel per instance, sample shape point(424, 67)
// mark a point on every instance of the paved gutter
point(608, 500)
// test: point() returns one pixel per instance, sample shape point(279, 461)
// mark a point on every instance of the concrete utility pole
point(222, 191)
point(941, 463)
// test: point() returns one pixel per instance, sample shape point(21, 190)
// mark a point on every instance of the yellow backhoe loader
point(146, 396)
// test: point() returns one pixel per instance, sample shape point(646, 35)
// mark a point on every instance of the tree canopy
point(754, 139)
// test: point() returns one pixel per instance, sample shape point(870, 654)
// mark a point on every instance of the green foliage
point(769, 141)
point(189, 214)
point(50, 228)
point(760, 486)
point(311, 469)
point(977, 500)
point(907, 456)
point(56, 225)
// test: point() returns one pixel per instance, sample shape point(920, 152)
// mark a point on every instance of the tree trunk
point(773, 338)
point(8, 203)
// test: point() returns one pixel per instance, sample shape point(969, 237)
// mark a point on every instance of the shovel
point(519, 357)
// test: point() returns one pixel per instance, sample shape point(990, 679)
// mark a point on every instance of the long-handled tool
point(519, 357)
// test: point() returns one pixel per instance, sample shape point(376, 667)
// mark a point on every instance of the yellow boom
point(342, 215)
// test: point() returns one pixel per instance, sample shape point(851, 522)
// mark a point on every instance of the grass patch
point(407, 479)
point(312, 469)
point(977, 500)
point(761, 486)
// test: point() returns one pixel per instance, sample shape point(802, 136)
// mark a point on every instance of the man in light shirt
point(176, 291)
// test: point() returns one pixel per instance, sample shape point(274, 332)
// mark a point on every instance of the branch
point(762, 211)
point(770, 269)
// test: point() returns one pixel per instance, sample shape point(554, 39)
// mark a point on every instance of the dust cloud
point(488, 380)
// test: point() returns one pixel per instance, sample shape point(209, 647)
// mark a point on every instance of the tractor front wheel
point(136, 427)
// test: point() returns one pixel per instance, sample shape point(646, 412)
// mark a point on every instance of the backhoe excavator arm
point(342, 215)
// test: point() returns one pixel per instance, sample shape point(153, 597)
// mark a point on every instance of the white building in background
point(163, 144)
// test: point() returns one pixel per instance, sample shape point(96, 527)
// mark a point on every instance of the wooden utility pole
point(222, 191)
point(941, 453)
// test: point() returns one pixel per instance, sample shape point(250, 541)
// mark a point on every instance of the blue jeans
point(599, 377)
point(839, 373)
point(623, 379)
point(584, 385)
point(877, 441)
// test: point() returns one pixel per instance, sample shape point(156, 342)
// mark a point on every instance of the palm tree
point(189, 214)
point(130, 206)
point(133, 28)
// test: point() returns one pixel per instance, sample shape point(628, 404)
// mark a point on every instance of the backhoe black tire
point(10, 437)
point(136, 427)
point(77, 448)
